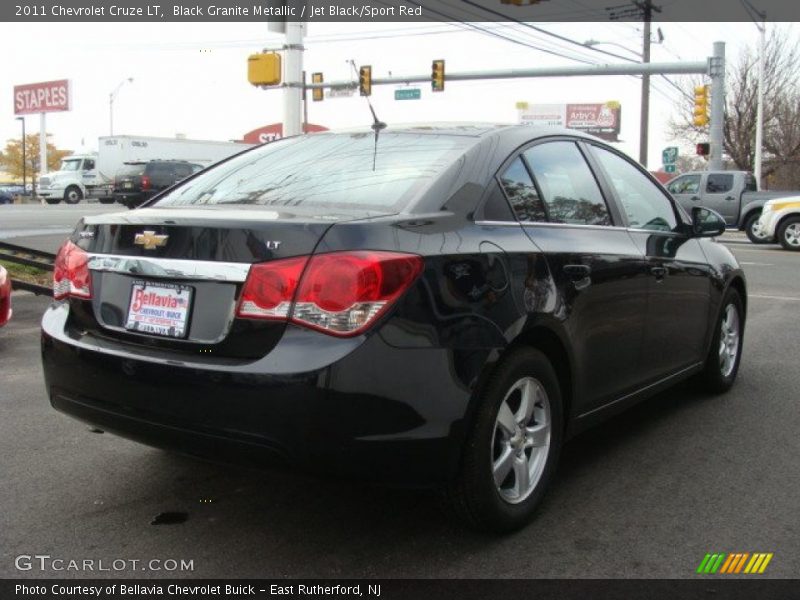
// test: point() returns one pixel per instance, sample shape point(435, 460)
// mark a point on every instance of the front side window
point(568, 187)
point(522, 194)
point(688, 184)
point(719, 183)
point(644, 204)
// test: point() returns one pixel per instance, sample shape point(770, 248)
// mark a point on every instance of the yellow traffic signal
point(437, 76)
point(701, 106)
point(317, 94)
point(365, 80)
point(264, 69)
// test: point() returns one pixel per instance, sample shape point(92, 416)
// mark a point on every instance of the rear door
point(596, 267)
point(678, 272)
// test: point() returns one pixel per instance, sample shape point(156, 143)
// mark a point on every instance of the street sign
point(670, 168)
point(669, 156)
point(341, 92)
point(408, 94)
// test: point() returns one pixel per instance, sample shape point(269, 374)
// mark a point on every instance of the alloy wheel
point(521, 440)
point(792, 235)
point(729, 340)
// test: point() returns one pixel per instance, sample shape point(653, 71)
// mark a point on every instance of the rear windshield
point(325, 170)
point(128, 170)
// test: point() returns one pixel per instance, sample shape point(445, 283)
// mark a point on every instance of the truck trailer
point(91, 175)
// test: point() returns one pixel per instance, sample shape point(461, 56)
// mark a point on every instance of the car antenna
point(377, 124)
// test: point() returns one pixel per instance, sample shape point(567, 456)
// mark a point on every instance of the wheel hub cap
point(729, 340)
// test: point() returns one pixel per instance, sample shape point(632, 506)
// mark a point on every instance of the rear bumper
point(359, 408)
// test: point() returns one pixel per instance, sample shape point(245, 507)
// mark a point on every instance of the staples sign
point(48, 96)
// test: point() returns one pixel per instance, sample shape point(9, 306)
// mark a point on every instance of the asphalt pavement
point(646, 494)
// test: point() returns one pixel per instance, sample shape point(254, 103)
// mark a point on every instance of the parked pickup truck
point(733, 194)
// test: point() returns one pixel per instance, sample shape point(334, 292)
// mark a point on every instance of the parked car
point(780, 221)
point(5, 296)
point(137, 182)
point(427, 306)
point(6, 197)
point(733, 194)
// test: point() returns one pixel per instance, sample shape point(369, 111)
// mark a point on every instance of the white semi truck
point(91, 175)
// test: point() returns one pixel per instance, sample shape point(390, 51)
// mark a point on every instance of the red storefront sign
point(46, 96)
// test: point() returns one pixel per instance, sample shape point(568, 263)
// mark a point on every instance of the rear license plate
point(128, 185)
point(159, 308)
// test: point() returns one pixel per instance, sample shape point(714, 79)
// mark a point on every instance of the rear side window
point(496, 207)
point(522, 194)
point(326, 170)
point(182, 171)
point(131, 170)
point(570, 191)
point(719, 183)
point(750, 184)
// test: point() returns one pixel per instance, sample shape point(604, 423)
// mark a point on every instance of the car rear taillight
point(269, 289)
point(341, 293)
point(71, 273)
point(145, 182)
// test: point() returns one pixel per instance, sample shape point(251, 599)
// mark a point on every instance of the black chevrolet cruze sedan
point(436, 306)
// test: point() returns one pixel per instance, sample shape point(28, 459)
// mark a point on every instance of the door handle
point(659, 272)
point(729, 198)
point(695, 198)
point(577, 272)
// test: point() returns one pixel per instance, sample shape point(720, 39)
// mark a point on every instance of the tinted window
point(688, 184)
point(719, 183)
point(570, 191)
point(521, 192)
point(130, 170)
point(496, 207)
point(750, 184)
point(644, 204)
point(327, 170)
point(160, 170)
point(88, 164)
point(182, 171)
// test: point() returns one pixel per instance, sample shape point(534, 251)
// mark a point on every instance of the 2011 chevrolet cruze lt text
point(438, 306)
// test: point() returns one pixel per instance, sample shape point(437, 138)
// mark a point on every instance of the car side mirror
point(707, 222)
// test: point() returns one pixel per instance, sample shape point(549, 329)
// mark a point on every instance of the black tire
point(473, 496)
point(73, 194)
point(716, 377)
point(754, 234)
point(789, 233)
point(52, 200)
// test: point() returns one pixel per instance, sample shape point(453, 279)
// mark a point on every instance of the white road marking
point(757, 264)
point(784, 298)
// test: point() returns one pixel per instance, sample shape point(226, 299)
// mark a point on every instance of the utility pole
point(716, 69)
point(293, 80)
point(24, 157)
point(762, 28)
point(647, 10)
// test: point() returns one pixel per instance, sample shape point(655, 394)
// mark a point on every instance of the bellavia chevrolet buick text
point(437, 306)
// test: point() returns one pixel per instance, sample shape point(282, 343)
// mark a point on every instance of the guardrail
point(31, 258)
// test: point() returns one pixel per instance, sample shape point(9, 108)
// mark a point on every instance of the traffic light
point(701, 106)
point(365, 80)
point(317, 94)
point(703, 149)
point(264, 69)
point(437, 76)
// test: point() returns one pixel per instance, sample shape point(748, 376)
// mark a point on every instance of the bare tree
point(781, 105)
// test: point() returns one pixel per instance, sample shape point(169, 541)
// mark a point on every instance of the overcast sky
point(190, 78)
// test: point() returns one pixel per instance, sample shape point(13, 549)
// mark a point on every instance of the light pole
point(762, 28)
point(111, 97)
point(24, 158)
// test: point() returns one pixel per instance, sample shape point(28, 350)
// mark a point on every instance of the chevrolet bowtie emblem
point(150, 240)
